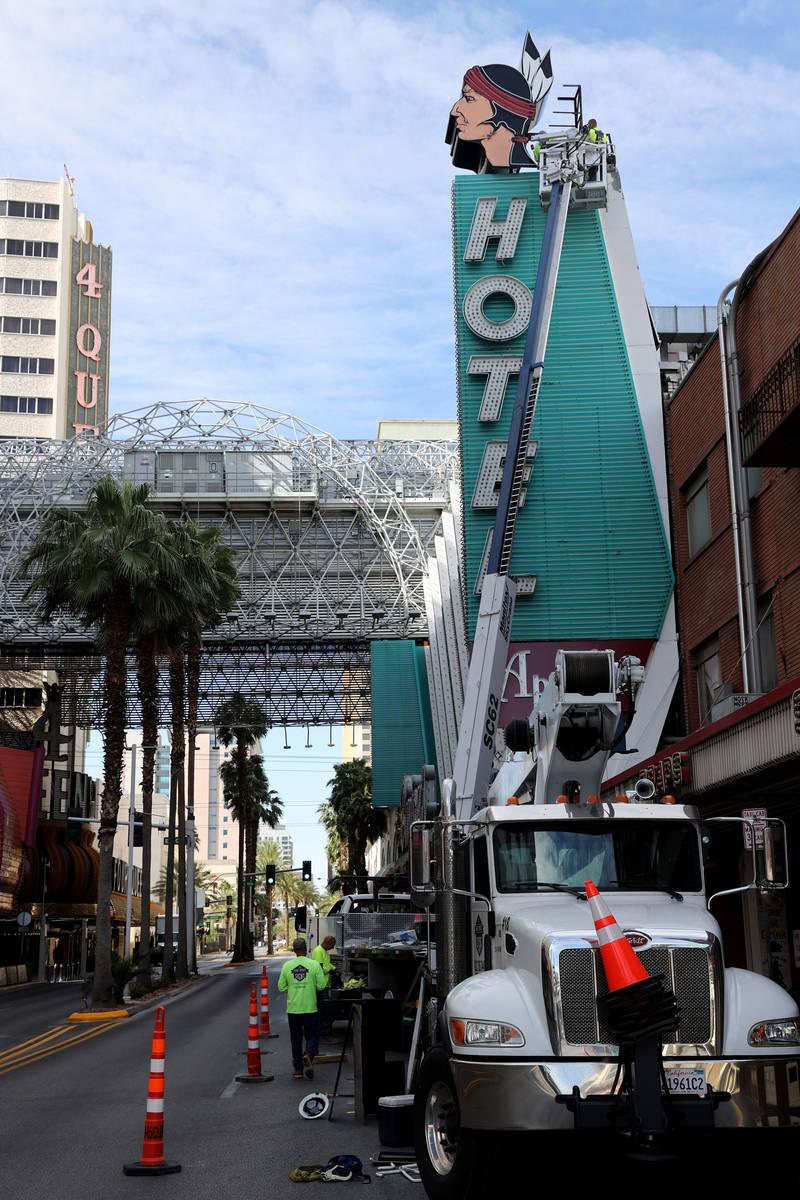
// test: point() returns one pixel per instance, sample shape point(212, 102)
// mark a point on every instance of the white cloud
point(275, 184)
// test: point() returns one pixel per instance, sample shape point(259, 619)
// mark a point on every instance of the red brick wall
point(768, 323)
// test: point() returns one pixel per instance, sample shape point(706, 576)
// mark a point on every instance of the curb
point(112, 1014)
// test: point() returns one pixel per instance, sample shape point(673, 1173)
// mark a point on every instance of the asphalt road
point(72, 1108)
point(72, 1098)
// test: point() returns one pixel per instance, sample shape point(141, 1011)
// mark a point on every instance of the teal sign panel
point(402, 726)
point(589, 539)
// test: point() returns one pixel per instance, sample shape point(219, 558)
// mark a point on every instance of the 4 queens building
point(55, 294)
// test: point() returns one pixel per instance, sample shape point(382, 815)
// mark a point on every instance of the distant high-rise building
point(55, 303)
point(357, 743)
point(281, 835)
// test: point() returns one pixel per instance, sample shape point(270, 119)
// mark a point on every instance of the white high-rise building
point(357, 743)
point(280, 834)
point(55, 286)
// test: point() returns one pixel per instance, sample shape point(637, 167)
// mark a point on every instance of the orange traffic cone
point(622, 965)
point(152, 1161)
point(253, 1049)
point(264, 1032)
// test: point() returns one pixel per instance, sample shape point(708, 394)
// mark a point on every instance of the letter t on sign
point(498, 368)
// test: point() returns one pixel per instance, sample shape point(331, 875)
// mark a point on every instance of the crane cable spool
point(587, 673)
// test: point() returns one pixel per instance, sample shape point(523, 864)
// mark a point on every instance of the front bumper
point(521, 1095)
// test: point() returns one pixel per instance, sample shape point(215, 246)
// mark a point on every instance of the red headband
point(479, 81)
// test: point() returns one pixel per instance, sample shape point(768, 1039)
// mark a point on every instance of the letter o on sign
point(498, 331)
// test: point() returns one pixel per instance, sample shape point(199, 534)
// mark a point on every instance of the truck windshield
point(381, 906)
point(646, 855)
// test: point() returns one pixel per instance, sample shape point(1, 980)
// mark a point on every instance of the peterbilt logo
point(637, 940)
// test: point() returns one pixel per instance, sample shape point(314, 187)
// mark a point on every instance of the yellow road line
point(40, 1039)
point(38, 1053)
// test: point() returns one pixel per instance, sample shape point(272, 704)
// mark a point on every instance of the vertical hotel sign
point(89, 334)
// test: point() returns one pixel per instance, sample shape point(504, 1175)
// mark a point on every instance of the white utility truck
point(515, 1033)
point(515, 1030)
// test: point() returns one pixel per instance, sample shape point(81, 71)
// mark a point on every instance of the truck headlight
point(775, 1033)
point(485, 1033)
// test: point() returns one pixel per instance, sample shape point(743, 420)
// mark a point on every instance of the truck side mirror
point(300, 918)
point(773, 869)
point(423, 891)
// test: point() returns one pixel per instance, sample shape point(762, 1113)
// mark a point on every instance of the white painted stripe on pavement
point(229, 1090)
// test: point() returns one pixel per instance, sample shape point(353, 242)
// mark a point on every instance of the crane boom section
point(475, 748)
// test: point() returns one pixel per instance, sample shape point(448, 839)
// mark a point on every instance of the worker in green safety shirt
point(302, 978)
point(594, 134)
point(322, 955)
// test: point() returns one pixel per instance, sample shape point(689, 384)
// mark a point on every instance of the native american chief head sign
point(491, 123)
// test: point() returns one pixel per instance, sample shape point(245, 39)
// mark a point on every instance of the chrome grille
point(687, 969)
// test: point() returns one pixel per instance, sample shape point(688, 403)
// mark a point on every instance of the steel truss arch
point(331, 537)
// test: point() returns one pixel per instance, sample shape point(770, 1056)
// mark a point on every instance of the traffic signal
point(229, 901)
point(138, 825)
point(270, 875)
point(306, 870)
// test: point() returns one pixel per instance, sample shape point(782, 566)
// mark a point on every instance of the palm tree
point(269, 853)
point(219, 591)
point(90, 565)
point(203, 881)
point(265, 806)
point(159, 607)
point(357, 823)
point(298, 891)
point(243, 721)
point(333, 843)
point(207, 589)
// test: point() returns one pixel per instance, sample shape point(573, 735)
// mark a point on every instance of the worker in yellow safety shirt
point(595, 134)
point(322, 955)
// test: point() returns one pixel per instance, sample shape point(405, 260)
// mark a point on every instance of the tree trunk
point(241, 772)
point(148, 697)
point(251, 847)
point(286, 901)
point(114, 704)
point(193, 693)
point(167, 967)
point(177, 678)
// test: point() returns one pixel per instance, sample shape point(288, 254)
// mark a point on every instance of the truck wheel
point(445, 1154)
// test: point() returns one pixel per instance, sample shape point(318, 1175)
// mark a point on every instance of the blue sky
point(299, 775)
point(274, 182)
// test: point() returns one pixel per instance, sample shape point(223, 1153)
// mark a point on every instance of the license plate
point(686, 1081)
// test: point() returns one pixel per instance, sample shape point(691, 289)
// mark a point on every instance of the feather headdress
point(538, 72)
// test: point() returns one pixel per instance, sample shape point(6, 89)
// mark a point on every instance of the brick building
point(736, 729)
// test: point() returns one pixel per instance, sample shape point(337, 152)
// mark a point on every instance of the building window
point(20, 697)
point(41, 405)
point(10, 364)
point(708, 673)
point(11, 286)
point(755, 478)
point(29, 208)
point(698, 511)
point(27, 249)
point(765, 640)
point(27, 325)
